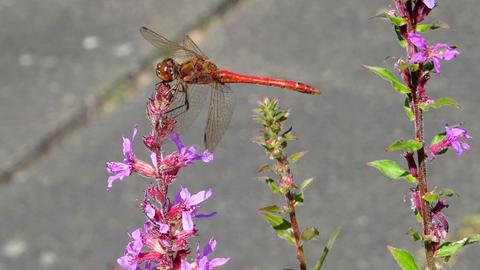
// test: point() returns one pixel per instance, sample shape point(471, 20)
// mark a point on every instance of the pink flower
point(122, 169)
point(201, 260)
point(433, 54)
point(452, 140)
point(171, 164)
point(130, 164)
point(129, 261)
point(189, 204)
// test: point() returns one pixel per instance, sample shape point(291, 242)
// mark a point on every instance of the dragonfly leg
point(185, 105)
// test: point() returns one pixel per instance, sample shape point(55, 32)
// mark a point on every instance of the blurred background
point(75, 76)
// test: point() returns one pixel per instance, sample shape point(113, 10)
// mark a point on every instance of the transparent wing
point(187, 105)
point(220, 113)
point(189, 44)
point(163, 43)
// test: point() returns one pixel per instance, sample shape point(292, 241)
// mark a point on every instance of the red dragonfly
point(195, 68)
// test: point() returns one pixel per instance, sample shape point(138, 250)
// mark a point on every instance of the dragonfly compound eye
point(167, 70)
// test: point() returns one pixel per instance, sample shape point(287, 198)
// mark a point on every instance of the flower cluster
point(163, 242)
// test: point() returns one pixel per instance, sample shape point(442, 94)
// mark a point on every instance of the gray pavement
point(58, 57)
point(56, 214)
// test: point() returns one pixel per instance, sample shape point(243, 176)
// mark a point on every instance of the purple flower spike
point(190, 154)
point(429, 3)
point(122, 169)
point(433, 54)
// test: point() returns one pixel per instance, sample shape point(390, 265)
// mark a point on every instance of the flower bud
point(143, 168)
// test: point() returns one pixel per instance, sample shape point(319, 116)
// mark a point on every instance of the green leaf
point(264, 168)
point(271, 209)
point(403, 43)
point(450, 248)
point(271, 183)
point(409, 113)
point(391, 169)
point(306, 183)
point(408, 145)
point(387, 75)
point(295, 157)
point(438, 138)
point(310, 234)
point(259, 140)
point(444, 101)
point(298, 198)
point(327, 248)
point(431, 197)
point(282, 227)
point(408, 110)
point(397, 21)
point(403, 258)
point(423, 28)
point(447, 192)
point(415, 235)
point(418, 216)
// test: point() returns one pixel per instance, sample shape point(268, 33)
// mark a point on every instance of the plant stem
point(419, 132)
point(296, 230)
point(423, 188)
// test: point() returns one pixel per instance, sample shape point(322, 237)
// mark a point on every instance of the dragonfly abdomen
point(225, 76)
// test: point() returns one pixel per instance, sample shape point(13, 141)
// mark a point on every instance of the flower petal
point(149, 211)
point(153, 157)
point(429, 3)
point(184, 194)
point(122, 170)
point(444, 52)
point(218, 262)
point(436, 64)
point(209, 247)
point(199, 197)
point(418, 40)
point(187, 222)
point(127, 144)
point(419, 57)
point(176, 139)
point(185, 265)
point(207, 156)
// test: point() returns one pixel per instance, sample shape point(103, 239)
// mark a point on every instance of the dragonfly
point(189, 68)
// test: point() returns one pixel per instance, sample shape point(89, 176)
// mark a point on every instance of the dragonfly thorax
point(167, 70)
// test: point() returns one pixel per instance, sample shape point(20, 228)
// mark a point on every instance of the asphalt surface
point(59, 58)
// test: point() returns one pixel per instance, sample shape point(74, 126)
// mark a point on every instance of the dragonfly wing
point(168, 46)
point(220, 113)
point(189, 44)
point(187, 105)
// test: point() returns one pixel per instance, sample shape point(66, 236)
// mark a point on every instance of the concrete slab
point(59, 56)
point(57, 215)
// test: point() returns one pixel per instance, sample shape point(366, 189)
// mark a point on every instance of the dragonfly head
point(167, 70)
